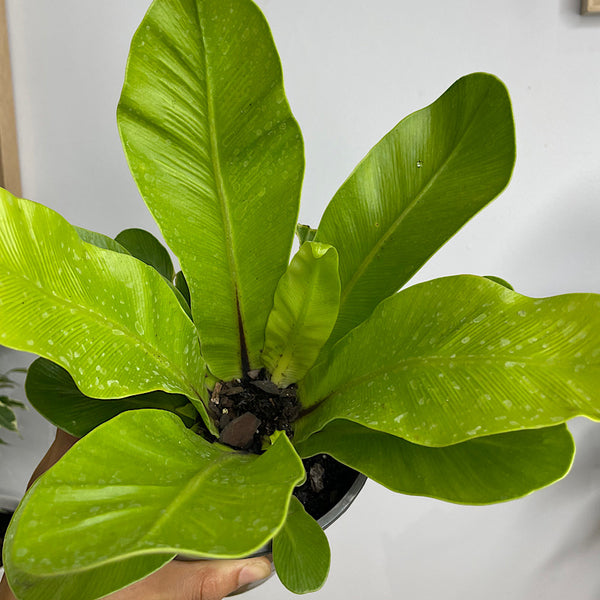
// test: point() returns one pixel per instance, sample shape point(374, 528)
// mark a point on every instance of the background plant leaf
point(144, 484)
point(53, 393)
point(305, 307)
point(218, 159)
point(12, 403)
point(415, 189)
point(8, 420)
point(458, 358)
point(105, 317)
point(480, 471)
point(145, 247)
point(301, 551)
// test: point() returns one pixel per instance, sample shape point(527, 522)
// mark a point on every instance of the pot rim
point(335, 512)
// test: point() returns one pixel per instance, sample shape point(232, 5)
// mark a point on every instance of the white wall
point(353, 70)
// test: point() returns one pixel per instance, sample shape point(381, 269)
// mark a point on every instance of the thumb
point(196, 580)
point(215, 579)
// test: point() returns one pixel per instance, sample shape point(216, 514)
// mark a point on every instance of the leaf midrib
point(186, 493)
point(394, 226)
point(221, 191)
point(154, 354)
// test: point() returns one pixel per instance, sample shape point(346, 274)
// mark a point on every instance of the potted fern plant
point(197, 394)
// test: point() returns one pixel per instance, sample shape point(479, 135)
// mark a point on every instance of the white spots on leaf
point(465, 340)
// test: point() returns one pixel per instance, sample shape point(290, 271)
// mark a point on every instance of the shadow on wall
point(580, 538)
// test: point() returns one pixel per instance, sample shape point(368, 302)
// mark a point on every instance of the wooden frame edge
point(590, 7)
point(10, 174)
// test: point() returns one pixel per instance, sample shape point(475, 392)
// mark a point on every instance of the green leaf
point(218, 159)
point(105, 317)
point(305, 233)
point(10, 402)
point(304, 311)
point(458, 358)
point(6, 382)
point(53, 393)
point(301, 551)
point(415, 189)
point(500, 281)
point(145, 247)
point(92, 583)
point(7, 417)
point(489, 469)
point(143, 484)
point(100, 240)
point(182, 286)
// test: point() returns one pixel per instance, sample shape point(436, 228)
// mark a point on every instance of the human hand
point(177, 580)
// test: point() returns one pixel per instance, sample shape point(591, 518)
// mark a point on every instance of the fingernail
point(253, 572)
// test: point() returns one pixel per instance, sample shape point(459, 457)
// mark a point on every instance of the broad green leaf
point(489, 469)
point(218, 159)
point(112, 322)
point(145, 247)
point(415, 189)
point(100, 240)
point(304, 311)
point(143, 484)
point(461, 357)
point(305, 233)
point(301, 553)
point(53, 393)
point(92, 583)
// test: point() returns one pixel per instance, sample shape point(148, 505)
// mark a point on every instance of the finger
point(213, 580)
point(197, 580)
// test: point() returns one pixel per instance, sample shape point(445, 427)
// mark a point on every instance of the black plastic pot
point(8, 505)
point(332, 515)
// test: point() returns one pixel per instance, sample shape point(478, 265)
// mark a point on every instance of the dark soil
point(327, 481)
point(248, 410)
